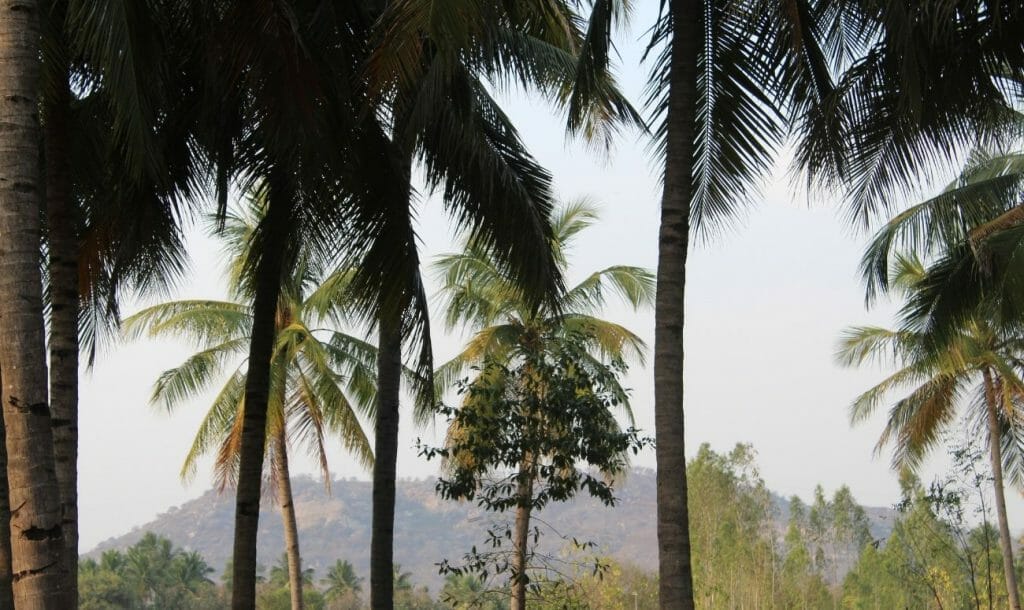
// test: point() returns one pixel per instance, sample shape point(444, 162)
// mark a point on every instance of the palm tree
point(480, 296)
point(36, 538)
point(341, 578)
point(834, 75)
point(62, 251)
point(983, 359)
point(320, 377)
point(431, 62)
point(119, 177)
point(280, 573)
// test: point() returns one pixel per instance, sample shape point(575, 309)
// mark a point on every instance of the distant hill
point(427, 528)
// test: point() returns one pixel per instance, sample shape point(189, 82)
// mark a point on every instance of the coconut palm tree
point(979, 369)
point(430, 63)
point(341, 578)
point(320, 377)
point(36, 536)
point(119, 176)
point(479, 296)
point(731, 78)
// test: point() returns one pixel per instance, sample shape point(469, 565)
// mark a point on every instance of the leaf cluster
point(551, 411)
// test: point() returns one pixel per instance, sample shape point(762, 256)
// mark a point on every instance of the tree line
point(123, 119)
point(936, 549)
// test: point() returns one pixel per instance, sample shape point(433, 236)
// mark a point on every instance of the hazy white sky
point(765, 305)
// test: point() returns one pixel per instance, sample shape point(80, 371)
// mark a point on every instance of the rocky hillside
point(337, 525)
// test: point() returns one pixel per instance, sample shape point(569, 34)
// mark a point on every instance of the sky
point(766, 302)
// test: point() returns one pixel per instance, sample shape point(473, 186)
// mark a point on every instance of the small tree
point(515, 443)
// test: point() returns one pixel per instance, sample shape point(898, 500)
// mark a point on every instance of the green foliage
point(466, 591)
point(341, 582)
point(555, 406)
point(731, 536)
point(935, 557)
point(322, 378)
point(150, 574)
point(618, 587)
point(523, 429)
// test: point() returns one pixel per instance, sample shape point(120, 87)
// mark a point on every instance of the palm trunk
point(6, 594)
point(291, 528)
point(675, 568)
point(521, 534)
point(64, 299)
point(37, 541)
point(385, 465)
point(995, 454)
point(257, 388)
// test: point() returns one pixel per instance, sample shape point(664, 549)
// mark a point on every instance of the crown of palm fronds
point(477, 295)
point(320, 378)
point(939, 376)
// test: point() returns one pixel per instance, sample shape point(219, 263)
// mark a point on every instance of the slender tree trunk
point(521, 534)
point(269, 269)
point(995, 454)
point(6, 594)
point(675, 568)
point(389, 372)
point(37, 542)
point(291, 528)
point(64, 303)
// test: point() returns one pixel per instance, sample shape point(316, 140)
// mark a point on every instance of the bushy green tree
point(534, 428)
point(152, 573)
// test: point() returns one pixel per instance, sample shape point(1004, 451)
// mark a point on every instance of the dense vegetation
point(123, 120)
point(942, 552)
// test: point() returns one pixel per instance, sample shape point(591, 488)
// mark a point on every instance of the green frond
point(473, 291)
point(202, 322)
point(570, 219)
point(218, 422)
point(355, 362)
point(306, 423)
point(916, 422)
point(861, 344)
point(608, 340)
point(490, 342)
point(634, 285)
point(330, 300)
point(318, 389)
point(196, 374)
point(983, 191)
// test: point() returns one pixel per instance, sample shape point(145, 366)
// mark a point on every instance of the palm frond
point(982, 192)
point(193, 376)
point(201, 321)
point(608, 340)
point(916, 422)
point(217, 423)
point(635, 285)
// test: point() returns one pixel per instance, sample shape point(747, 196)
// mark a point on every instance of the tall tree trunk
point(6, 594)
point(675, 568)
point(995, 454)
point(291, 528)
point(521, 534)
point(268, 271)
point(64, 303)
point(37, 542)
point(385, 465)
